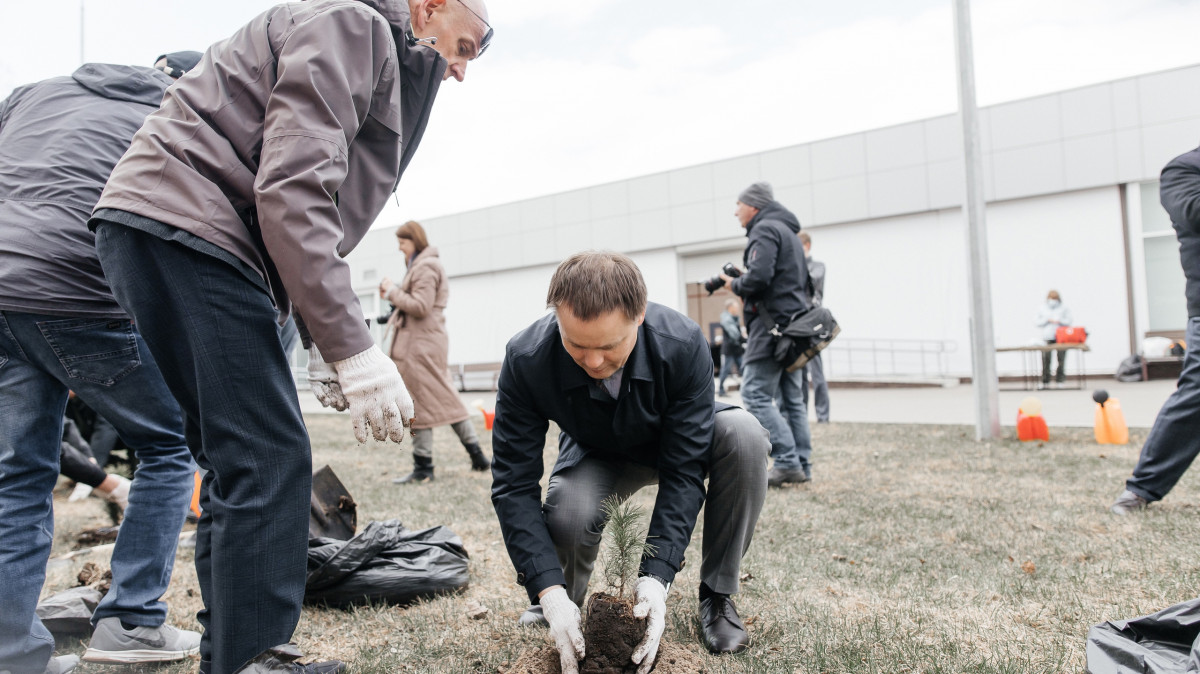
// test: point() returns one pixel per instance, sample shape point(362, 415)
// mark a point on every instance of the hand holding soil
point(563, 616)
point(651, 605)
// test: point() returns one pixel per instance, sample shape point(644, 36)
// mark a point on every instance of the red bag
point(1070, 334)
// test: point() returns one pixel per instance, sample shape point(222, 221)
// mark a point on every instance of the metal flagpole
point(82, 60)
point(983, 348)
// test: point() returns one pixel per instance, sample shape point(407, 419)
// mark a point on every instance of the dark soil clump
point(610, 636)
point(672, 659)
point(93, 575)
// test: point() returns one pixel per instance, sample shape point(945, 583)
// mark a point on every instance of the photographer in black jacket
point(774, 288)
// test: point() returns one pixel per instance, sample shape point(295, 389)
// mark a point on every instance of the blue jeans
point(108, 366)
point(727, 361)
point(764, 380)
point(213, 333)
point(1174, 441)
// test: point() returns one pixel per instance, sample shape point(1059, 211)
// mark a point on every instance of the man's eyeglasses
point(487, 37)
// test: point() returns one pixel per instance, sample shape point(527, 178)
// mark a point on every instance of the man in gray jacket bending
point(60, 331)
point(235, 204)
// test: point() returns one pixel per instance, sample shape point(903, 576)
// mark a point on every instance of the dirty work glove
point(323, 380)
point(375, 394)
point(563, 616)
point(652, 605)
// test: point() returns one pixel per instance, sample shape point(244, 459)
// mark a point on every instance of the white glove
point(80, 492)
point(652, 605)
point(376, 395)
point(323, 379)
point(563, 616)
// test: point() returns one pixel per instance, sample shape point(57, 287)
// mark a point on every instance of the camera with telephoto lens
point(712, 284)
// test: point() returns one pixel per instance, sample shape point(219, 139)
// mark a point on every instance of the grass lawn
point(915, 549)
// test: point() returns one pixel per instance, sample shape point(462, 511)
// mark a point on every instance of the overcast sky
point(578, 92)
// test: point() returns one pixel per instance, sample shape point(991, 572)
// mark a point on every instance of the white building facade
point(1071, 186)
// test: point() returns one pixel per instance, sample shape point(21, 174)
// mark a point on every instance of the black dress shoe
point(721, 626)
point(282, 660)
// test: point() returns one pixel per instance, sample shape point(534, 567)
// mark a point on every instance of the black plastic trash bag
point(69, 613)
point(1167, 642)
point(385, 563)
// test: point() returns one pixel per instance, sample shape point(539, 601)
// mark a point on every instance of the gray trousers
point(423, 437)
point(814, 370)
point(737, 487)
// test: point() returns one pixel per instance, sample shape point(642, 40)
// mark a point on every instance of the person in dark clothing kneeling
point(629, 383)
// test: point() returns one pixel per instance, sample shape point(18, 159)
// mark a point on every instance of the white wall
point(1070, 242)
point(899, 278)
point(905, 277)
point(485, 310)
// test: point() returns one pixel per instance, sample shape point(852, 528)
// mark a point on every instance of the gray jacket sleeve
point(327, 70)
point(6, 105)
point(730, 326)
point(816, 277)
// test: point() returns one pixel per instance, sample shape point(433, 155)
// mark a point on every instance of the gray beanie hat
point(758, 195)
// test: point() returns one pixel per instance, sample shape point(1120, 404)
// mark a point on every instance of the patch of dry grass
point(915, 549)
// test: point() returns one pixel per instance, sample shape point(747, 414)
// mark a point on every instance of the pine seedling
point(625, 544)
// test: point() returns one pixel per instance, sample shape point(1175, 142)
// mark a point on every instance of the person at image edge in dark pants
point(62, 331)
point(1174, 440)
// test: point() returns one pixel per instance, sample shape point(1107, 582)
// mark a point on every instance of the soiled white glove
point(563, 616)
point(652, 605)
point(323, 379)
point(376, 395)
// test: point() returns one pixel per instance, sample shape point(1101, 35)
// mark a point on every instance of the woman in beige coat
point(419, 349)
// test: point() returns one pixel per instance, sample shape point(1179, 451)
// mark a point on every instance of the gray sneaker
point(533, 617)
point(1127, 503)
point(111, 642)
point(62, 664)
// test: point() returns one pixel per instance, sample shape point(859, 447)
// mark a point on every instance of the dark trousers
point(1060, 376)
point(737, 488)
point(74, 465)
point(214, 336)
point(103, 441)
point(1174, 441)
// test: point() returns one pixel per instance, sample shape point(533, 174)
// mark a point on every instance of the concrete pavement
point(1140, 402)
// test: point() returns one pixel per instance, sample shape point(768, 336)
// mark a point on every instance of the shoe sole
point(137, 656)
point(779, 485)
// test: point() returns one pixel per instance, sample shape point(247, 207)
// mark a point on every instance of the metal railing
point(866, 357)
